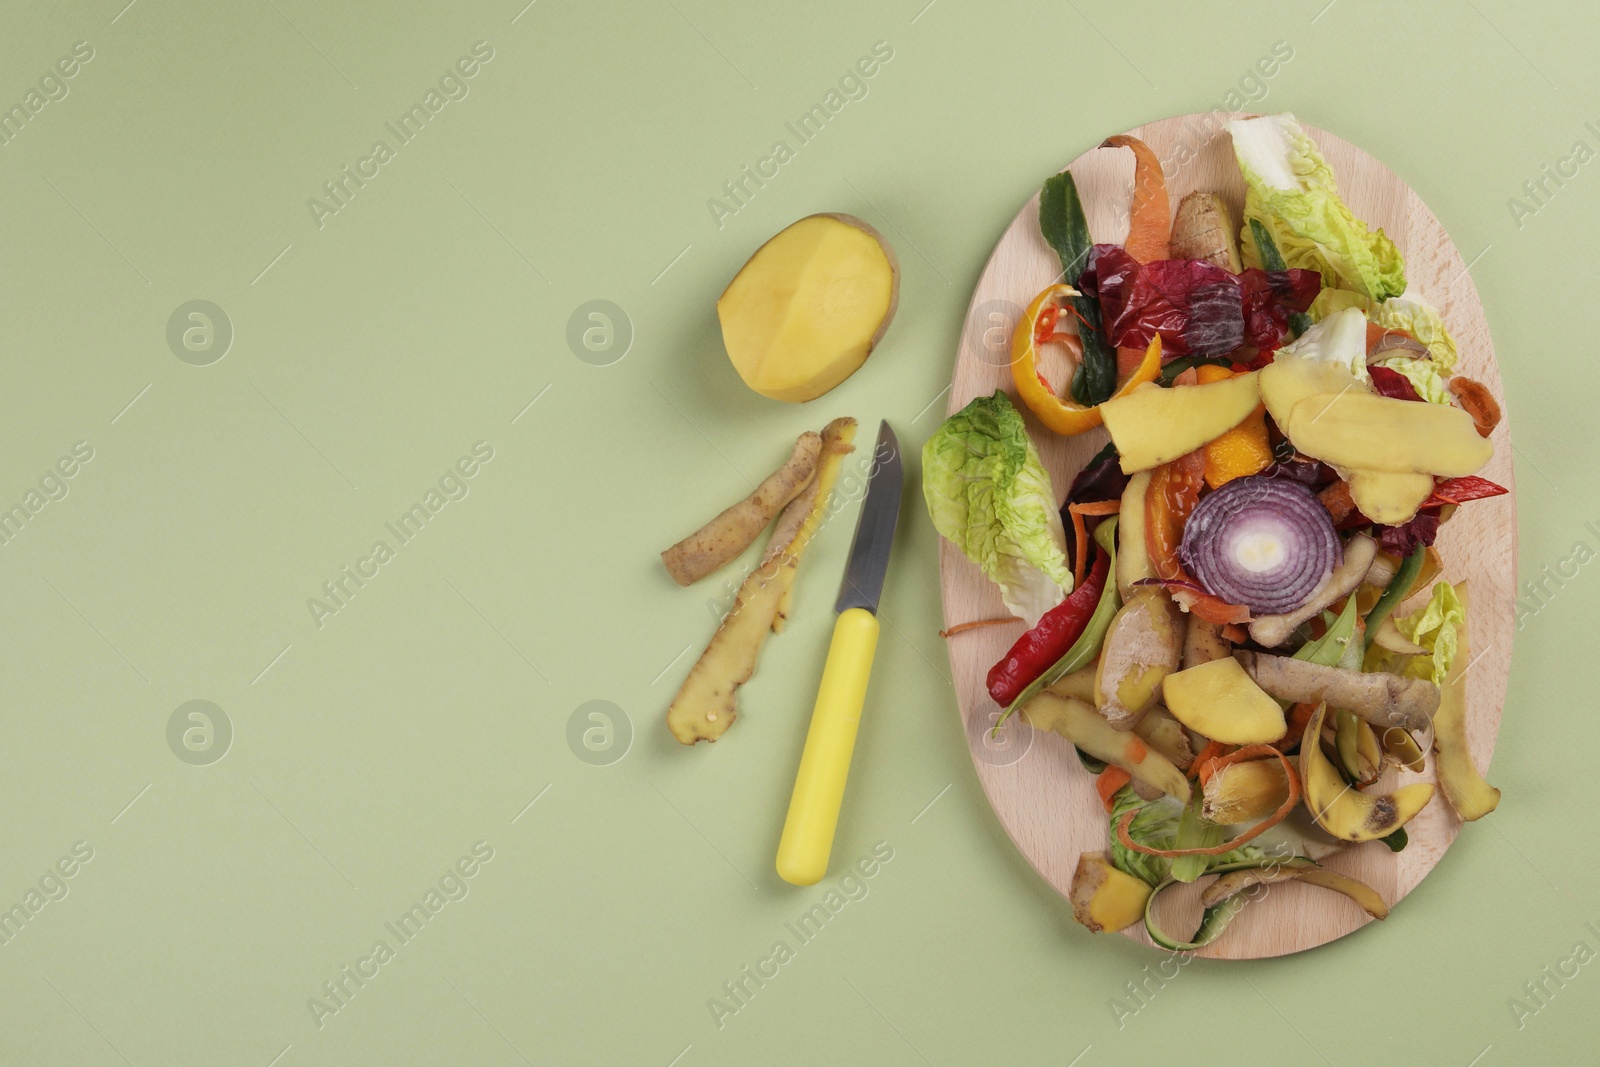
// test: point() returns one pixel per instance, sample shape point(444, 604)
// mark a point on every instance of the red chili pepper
point(1047, 642)
point(1461, 490)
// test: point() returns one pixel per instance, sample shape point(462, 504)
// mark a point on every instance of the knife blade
point(813, 817)
point(880, 511)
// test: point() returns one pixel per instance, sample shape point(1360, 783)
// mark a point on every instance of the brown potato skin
point(737, 527)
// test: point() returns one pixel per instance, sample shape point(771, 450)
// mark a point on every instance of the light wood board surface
point(1041, 794)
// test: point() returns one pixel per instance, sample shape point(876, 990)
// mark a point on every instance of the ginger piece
point(705, 705)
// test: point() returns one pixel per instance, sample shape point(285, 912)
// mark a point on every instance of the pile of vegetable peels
point(1221, 634)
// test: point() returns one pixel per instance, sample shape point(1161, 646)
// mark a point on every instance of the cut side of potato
point(807, 309)
point(1152, 425)
point(1105, 899)
point(1364, 431)
point(1218, 699)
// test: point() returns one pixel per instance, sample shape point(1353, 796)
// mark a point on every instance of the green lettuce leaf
point(1293, 193)
point(1157, 825)
point(1412, 314)
point(1424, 376)
point(1434, 626)
point(1421, 320)
point(1340, 337)
point(990, 496)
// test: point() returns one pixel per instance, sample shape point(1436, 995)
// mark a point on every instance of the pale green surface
point(416, 722)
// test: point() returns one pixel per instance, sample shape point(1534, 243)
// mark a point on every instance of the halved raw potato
point(804, 313)
point(1364, 431)
point(1085, 727)
point(1388, 497)
point(1105, 899)
point(1289, 379)
point(1218, 699)
point(1152, 425)
point(1347, 813)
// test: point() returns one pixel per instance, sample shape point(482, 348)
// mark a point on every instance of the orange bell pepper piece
point(1243, 450)
point(1058, 414)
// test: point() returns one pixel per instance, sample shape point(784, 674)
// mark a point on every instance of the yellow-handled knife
point(825, 764)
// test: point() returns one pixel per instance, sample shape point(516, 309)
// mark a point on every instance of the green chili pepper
point(1395, 592)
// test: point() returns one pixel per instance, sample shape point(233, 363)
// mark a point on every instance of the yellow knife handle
point(825, 764)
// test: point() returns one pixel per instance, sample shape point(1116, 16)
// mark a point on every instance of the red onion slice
point(1261, 542)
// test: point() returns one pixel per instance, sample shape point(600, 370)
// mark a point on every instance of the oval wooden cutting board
point(1042, 795)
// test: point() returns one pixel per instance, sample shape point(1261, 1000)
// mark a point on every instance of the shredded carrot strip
point(1149, 216)
point(1261, 827)
point(1299, 715)
point(962, 627)
point(1081, 532)
point(1236, 633)
point(1108, 782)
point(1080, 540)
point(1200, 768)
point(1134, 750)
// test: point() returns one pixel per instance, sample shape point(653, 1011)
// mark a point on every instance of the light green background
point(427, 714)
